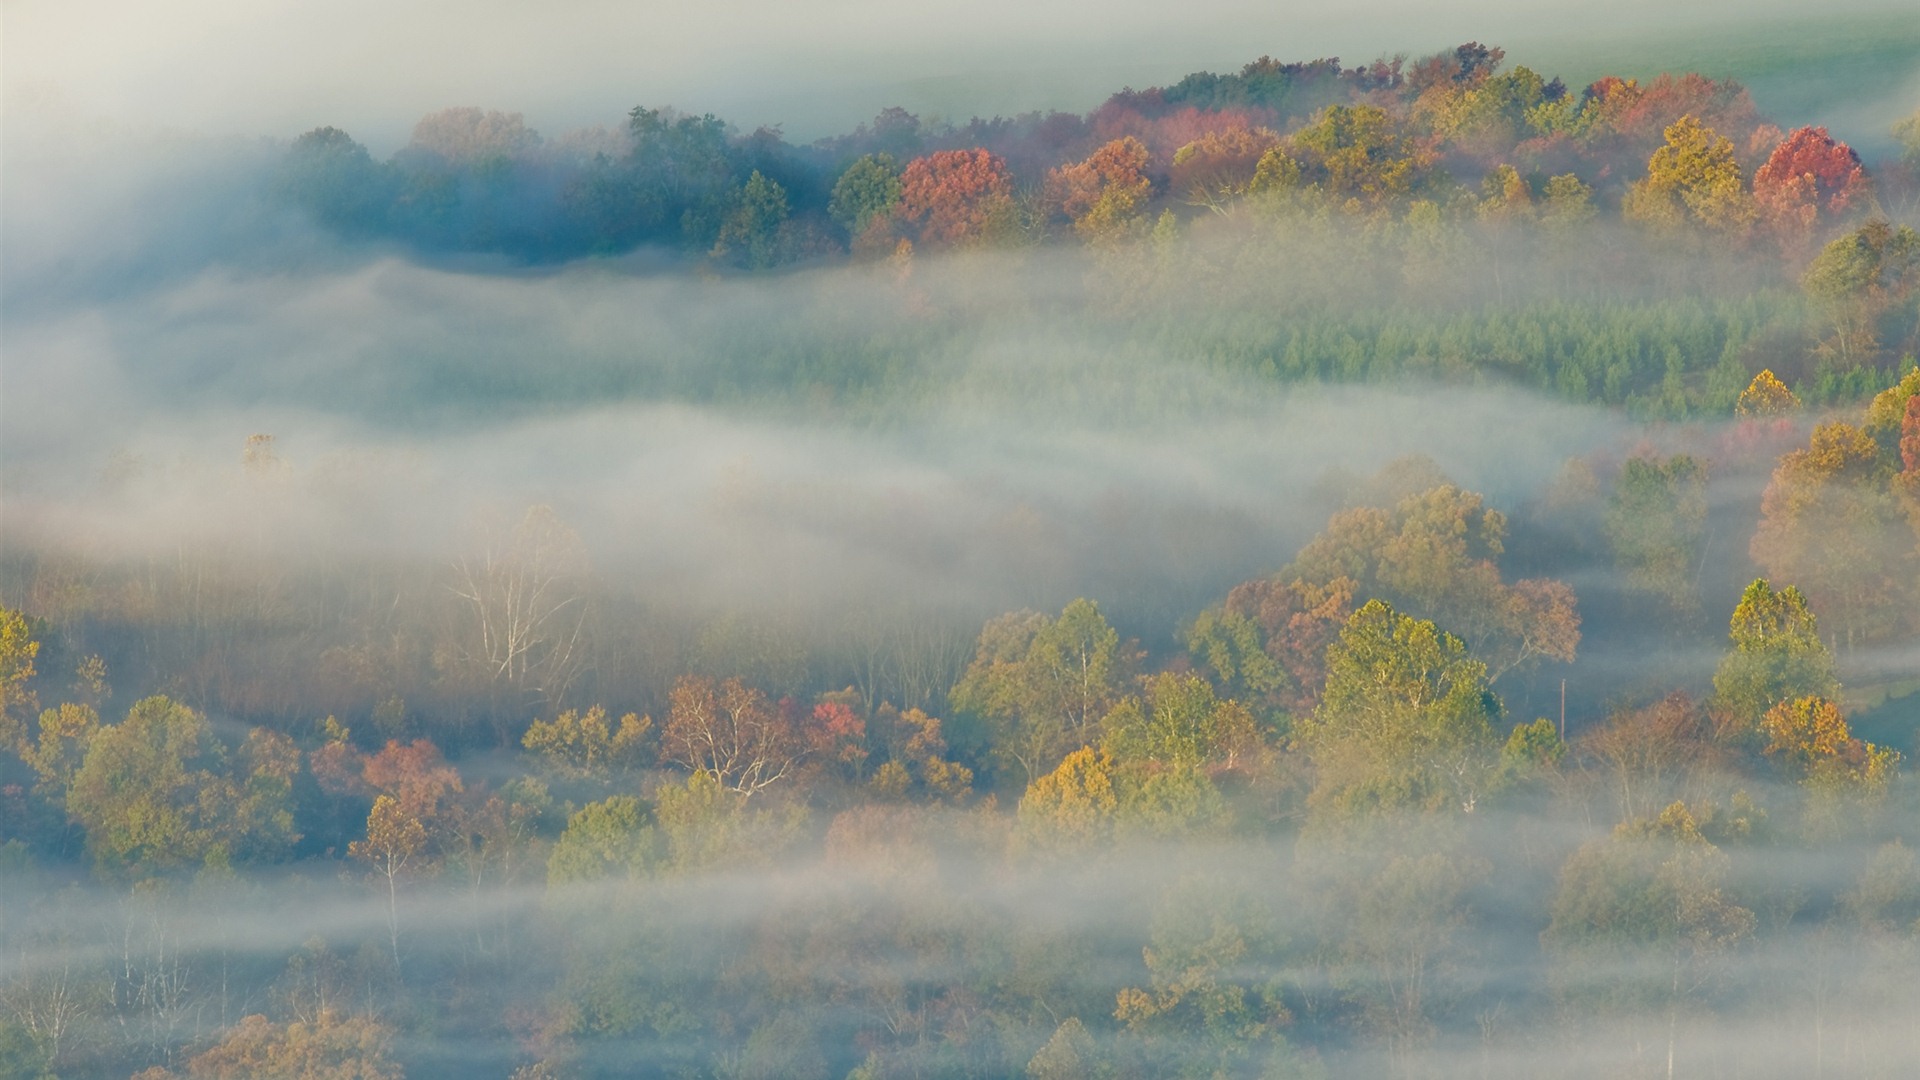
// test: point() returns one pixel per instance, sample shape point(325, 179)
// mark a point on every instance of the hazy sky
point(273, 68)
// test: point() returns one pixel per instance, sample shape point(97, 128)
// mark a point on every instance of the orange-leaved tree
point(957, 196)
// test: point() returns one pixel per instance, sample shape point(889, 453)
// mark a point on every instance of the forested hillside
point(1312, 571)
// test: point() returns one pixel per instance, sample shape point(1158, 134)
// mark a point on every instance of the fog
point(252, 463)
point(374, 69)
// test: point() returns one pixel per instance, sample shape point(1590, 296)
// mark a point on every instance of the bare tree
point(525, 609)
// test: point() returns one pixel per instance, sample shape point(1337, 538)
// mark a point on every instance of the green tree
point(1644, 918)
point(1356, 152)
point(868, 192)
point(333, 179)
point(1180, 722)
point(752, 231)
point(1657, 524)
point(1777, 654)
point(1861, 279)
point(604, 839)
point(1406, 721)
point(157, 792)
point(1042, 684)
point(1211, 1006)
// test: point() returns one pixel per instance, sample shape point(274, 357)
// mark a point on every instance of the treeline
point(1313, 840)
point(1649, 245)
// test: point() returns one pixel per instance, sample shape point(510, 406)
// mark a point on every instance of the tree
point(396, 842)
point(604, 839)
point(1104, 194)
point(1072, 806)
point(157, 793)
point(1644, 916)
point(1180, 723)
point(1657, 523)
point(681, 169)
point(1207, 1010)
point(866, 195)
point(1043, 683)
point(328, 1047)
point(1406, 720)
point(1861, 279)
point(729, 733)
point(335, 181)
point(1692, 182)
point(585, 745)
point(1068, 1055)
point(752, 231)
point(1433, 554)
point(1811, 738)
point(525, 602)
point(17, 701)
point(957, 196)
point(1652, 752)
point(1355, 152)
point(1809, 176)
point(1777, 654)
point(1830, 521)
point(1219, 166)
point(1268, 642)
point(469, 136)
point(1766, 395)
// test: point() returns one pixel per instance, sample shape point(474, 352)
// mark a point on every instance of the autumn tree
point(1103, 195)
point(1407, 720)
point(1812, 740)
point(1692, 182)
point(330, 1046)
point(1809, 177)
point(957, 196)
point(17, 701)
point(587, 745)
point(1434, 555)
point(1656, 523)
point(1267, 643)
point(730, 733)
point(1042, 684)
point(1357, 154)
point(1650, 755)
point(1766, 395)
point(1777, 654)
point(1831, 522)
point(395, 844)
point(1218, 167)
point(917, 758)
point(416, 775)
point(1074, 805)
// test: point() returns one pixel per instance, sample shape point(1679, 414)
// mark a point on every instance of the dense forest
point(1406, 570)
